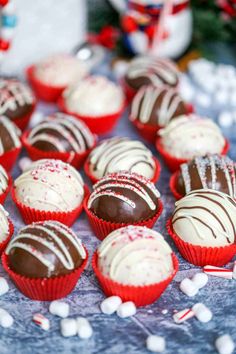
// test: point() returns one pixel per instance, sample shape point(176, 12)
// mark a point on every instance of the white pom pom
point(224, 344)
point(188, 287)
point(84, 328)
point(200, 280)
point(203, 100)
point(68, 327)
point(222, 96)
point(202, 312)
point(110, 305)
point(126, 309)
point(155, 344)
point(59, 308)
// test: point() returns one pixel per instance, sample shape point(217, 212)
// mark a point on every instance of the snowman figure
point(157, 27)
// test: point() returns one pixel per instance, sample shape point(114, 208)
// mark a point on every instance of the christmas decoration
point(8, 24)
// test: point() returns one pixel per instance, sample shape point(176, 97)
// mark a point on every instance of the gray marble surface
point(113, 335)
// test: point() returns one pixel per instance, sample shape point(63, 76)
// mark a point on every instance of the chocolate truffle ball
point(16, 99)
point(205, 217)
point(188, 136)
point(4, 180)
point(124, 197)
point(50, 185)
point(94, 96)
point(62, 133)
point(44, 250)
point(213, 171)
point(149, 70)
point(60, 70)
point(9, 135)
point(156, 106)
point(135, 255)
point(121, 154)
point(4, 224)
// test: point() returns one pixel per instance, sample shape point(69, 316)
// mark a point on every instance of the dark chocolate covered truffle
point(149, 70)
point(9, 135)
point(62, 133)
point(124, 197)
point(16, 99)
point(157, 105)
point(44, 250)
point(213, 171)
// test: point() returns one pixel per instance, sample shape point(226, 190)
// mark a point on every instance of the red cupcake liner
point(4, 243)
point(148, 131)
point(173, 163)
point(73, 158)
point(5, 194)
point(23, 122)
point(173, 180)
point(129, 91)
point(8, 159)
point(43, 91)
point(102, 228)
point(201, 256)
point(94, 180)
point(97, 125)
point(45, 289)
point(140, 295)
point(30, 215)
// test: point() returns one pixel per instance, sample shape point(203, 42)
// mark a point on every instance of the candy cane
point(8, 24)
point(183, 315)
point(218, 272)
point(41, 321)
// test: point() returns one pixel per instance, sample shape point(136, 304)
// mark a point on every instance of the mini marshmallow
point(6, 320)
point(84, 328)
point(24, 163)
point(68, 327)
point(188, 287)
point(155, 344)
point(203, 99)
point(164, 312)
point(202, 312)
point(200, 280)
point(224, 344)
point(4, 287)
point(41, 321)
point(59, 308)
point(110, 305)
point(225, 119)
point(218, 272)
point(183, 315)
point(234, 270)
point(126, 309)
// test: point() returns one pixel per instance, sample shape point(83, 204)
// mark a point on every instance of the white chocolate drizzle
point(3, 180)
point(12, 130)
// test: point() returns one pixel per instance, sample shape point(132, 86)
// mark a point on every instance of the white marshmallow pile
point(59, 308)
point(114, 304)
point(4, 287)
point(41, 321)
point(6, 320)
point(190, 287)
point(76, 326)
point(155, 344)
point(224, 344)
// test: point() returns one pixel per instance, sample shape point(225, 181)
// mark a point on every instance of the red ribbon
point(107, 37)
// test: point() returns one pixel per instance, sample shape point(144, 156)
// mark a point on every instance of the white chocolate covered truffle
point(94, 96)
point(50, 185)
point(135, 255)
point(4, 224)
point(188, 136)
point(121, 154)
point(60, 70)
point(205, 218)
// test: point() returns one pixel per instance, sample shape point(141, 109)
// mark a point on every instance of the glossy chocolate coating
point(114, 209)
point(217, 174)
point(24, 263)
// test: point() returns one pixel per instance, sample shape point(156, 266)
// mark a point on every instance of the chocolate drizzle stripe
point(199, 220)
